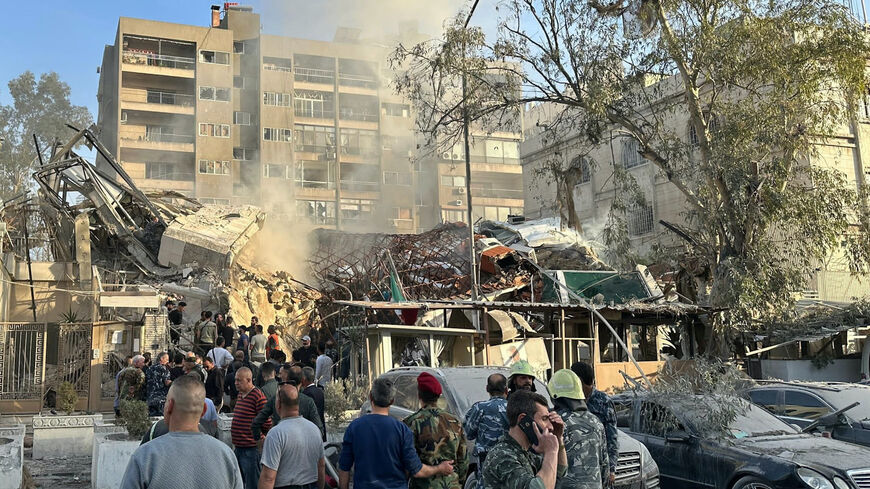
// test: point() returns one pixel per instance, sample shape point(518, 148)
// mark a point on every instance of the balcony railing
point(168, 98)
point(360, 186)
point(161, 60)
point(314, 148)
point(175, 176)
point(355, 115)
point(314, 75)
point(315, 113)
point(314, 184)
point(358, 151)
point(156, 137)
point(352, 80)
point(497, 193)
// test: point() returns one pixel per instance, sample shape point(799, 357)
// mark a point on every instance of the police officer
point(585, 443)
point(486, 421)
point(522, 377)
point(438, 437)
point(602, 407)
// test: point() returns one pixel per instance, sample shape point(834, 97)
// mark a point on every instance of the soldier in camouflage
point(602, 407)
point(585, 443)
point(131, 381)
point(510, 464)
point(438, 437)
point(157, 383)
point(486, 422)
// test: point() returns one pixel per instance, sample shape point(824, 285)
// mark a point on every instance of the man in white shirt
point(323, 366)
point(292, 452)
point(258, 346)
point(221, 357)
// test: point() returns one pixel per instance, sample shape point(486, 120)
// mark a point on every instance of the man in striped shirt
point(250, 401)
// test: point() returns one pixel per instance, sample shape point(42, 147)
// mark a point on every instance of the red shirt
point(273, 340)
point(243, 415)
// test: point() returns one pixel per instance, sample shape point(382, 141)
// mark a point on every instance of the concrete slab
point(11, 456)
point(64, 436)
point(112, 452)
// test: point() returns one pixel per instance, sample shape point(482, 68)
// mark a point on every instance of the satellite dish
point(639, 19)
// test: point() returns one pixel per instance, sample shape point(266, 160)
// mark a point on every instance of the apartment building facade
point(848, 151)
point(309, 130)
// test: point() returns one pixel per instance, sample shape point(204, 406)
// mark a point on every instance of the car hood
point(809, 450)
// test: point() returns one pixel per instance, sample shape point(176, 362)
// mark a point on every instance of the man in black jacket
point(310, 389)
point(214, 383)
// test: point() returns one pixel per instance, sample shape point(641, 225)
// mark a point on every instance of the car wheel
point(751, 483)
point(471, 482)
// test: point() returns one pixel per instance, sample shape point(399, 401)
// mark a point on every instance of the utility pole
point(465, 123)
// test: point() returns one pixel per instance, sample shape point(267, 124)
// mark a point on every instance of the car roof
point(449, 371)
point(820, 386)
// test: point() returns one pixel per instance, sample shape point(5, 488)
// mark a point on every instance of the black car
point(756, 451)
point(804, 403)
point(463, 386)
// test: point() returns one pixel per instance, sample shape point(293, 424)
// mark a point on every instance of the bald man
point(155, 464)
point(292, 453)
point(249, 403)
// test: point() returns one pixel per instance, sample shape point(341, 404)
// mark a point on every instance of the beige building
point(307, 129)
point(848, 151)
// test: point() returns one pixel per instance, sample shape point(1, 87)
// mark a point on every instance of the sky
point(68, 37)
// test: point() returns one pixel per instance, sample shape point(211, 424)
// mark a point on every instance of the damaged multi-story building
point(308, 130)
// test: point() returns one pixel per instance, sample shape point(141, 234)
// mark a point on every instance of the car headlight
point(814, 479)
point(841, 484)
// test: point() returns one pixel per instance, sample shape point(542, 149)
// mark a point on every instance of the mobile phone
point(525, 424)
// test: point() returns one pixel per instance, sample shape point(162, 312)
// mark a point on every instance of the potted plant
point(112, 451)
point(64, 432)
point(342, 400)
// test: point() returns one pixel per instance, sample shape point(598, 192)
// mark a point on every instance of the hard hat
point(565, 383)
point(522, 367)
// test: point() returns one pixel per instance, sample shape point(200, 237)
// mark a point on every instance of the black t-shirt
point(228, 332)
point(175, 317)
point(306, 355)
point(176, 372)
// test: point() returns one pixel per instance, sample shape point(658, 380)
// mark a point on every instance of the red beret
point(426, 382)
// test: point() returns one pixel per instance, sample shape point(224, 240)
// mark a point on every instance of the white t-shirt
point(323, 370)
point(221, 357)
point(293, 448)
point(258, 345)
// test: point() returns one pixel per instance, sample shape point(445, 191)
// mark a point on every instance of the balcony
point(357, 80)
point(147, 62)
point(314, 184)
point(314, 75)
point(357, 115)
point(157, 101)
point(360, 186)
point(314, 113)
point(497, 193)
point(157, 141)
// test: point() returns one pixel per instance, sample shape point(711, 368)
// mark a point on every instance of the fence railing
point(498, 193)
point(353, 115)
point(156, 137)
point(161, 60)
point(314, 75)
point(22, 360)
point(314, 113)
point(362, 81)
point(168, 98)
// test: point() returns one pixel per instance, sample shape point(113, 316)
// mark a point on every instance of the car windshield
point(841, 399)
point(469, 386)
point(756, 421)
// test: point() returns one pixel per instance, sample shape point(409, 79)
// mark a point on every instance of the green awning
point(615, 287)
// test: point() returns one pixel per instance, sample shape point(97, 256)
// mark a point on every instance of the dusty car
point(805, 403)
point(464, 386)
point(756, 450)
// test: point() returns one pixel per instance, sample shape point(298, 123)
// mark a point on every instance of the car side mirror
point(678, 436)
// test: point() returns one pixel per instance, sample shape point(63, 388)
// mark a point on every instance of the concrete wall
point(842, 370)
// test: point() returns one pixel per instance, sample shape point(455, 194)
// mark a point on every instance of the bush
point(67, 397)
point(341, 396)
point(134, 415)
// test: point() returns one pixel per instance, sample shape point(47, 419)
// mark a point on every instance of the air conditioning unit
point(456, 202)
point(445, 155)
point(456, 156)
point(460, 191)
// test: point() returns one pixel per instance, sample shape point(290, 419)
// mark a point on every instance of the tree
point(38, 107)
point(762, 83)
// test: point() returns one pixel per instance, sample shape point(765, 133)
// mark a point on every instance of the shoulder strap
point(151, 432)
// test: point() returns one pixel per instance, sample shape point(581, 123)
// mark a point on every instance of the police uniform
point(585, 443)
point(438, 437)
point(509, 466)
point(602, 407)
point(521, 367)
point(485, 423)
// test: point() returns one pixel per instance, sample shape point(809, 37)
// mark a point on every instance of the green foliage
point(134, 415)
point(760, 85)
point(71, 316)
point(341, 396)
point(67, 397)
point(40, 107)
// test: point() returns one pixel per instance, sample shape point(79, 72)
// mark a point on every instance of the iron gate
point(22, 360)
point(74, 356)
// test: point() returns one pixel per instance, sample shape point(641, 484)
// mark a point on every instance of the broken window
point(271, 63)
point(238, 82)
point(452, 215)
point(357, 209)
point(239, 47)
point(214, 130)
point(316, 211)
point(452, 181)
point(271, 170)
point(213, 201)
point(277, 134)
point(315, 174)
point(214, 93)
point(585, 169)
point(245, 154)
point(160, 170)
point(212, 167)
point(309, 103)
point(397, 178)
point(276, 99)
point(242, 118)
point(359, 142)
point(206, 93)
point(395, 110)
point(403, 213)
point(214, 57)
point(315, 139)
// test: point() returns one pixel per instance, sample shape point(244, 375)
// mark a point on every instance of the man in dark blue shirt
point(380, 448)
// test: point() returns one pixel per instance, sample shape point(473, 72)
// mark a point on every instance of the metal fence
point(22, 360)
point(74, 356)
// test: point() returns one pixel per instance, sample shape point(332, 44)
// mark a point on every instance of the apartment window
point(214, 57)
point(402, 213)
point(239, 47)
point(317, 211)
point(315, 139)
point(452, 181)
point(214, 130)
point(212, 167)
point(166, 171)
point(276, 99)
point(357, 209)
point(496, 213)
point(239, 82)
point(631, 158)
point(271, 170)
point(277, 134)
point(309, 103)
point(214, 93)
point(397, 178)
point(242, 118)
point(450, 215)
point(583, 165)
point(640, 219)
point(244, 154)
point(396, 110)
point(359, 142)
point(694, 141)
point(271, 63)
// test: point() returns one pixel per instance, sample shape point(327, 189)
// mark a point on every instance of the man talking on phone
point(509, 464)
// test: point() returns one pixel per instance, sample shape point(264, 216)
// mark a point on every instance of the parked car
point(757, 451)
point(803, 403)
point(464, 386)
